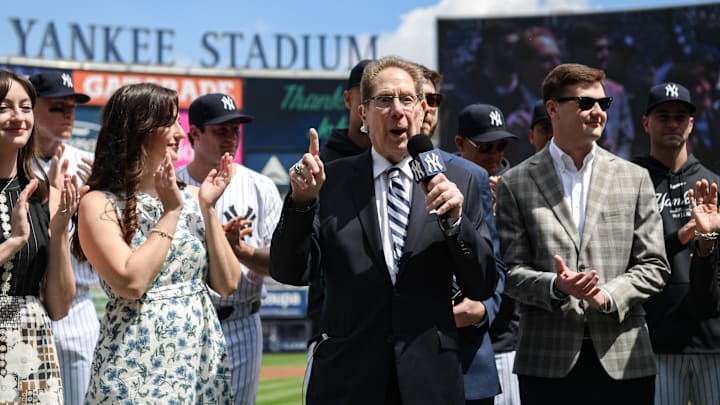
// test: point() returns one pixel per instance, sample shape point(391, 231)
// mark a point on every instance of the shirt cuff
point(612, 307)
point(555, 293)
point(452, 230)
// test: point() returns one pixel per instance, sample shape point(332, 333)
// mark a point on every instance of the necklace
point(5, 225)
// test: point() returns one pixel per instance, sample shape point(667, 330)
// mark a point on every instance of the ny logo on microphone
point(426, 165)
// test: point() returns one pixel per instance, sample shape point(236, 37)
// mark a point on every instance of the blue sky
point(403, 27)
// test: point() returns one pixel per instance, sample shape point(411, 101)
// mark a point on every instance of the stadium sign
point(155, 46)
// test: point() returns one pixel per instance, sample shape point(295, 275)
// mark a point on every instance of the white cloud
point(416, 37)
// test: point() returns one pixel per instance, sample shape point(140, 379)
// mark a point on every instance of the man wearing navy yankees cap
point(77, 333)
point(249, 210)
point(685, 334)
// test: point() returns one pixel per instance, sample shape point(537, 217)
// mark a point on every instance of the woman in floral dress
point(36, 279)
point(156, 245)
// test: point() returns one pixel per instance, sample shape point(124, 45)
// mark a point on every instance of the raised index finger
point(314, 148)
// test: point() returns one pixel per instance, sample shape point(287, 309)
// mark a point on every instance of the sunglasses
point(587, 103)
point(433, 99)
point(487, 147)
point(63, 109)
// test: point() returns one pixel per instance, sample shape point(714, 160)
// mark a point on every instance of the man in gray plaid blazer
point(583, 242)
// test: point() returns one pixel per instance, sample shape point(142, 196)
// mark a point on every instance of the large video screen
point(502, 61)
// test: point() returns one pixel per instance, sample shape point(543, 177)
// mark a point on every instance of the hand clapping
point(216, 181)
point(704, 205)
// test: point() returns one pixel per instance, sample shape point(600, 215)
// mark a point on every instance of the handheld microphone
point(426, 163)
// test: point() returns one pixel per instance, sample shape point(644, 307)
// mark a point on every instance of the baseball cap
point(215, 108)
point(356, 74)
point(539, 113)
point(482, 123)
point(56, 84)
point(669, 91)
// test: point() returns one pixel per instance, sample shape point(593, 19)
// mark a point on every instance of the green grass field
point(281, 390)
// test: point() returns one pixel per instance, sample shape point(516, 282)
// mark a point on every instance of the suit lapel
point(600, 180)
point(363, 196)
point(418, 217)
point(545, 177)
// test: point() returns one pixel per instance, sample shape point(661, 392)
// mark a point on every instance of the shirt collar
point(565, 162)
point(381, 165)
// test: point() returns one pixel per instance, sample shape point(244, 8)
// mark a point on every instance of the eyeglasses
point(587, 103)
point(434, 99)
point(62, 109)
point(487, 147)
point(408, 101)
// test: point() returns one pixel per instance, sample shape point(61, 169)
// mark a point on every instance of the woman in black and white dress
point(36, 279)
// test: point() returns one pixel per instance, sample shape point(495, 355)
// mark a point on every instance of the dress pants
point(587, 384)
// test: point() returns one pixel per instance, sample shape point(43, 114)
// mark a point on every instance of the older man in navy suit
point(389, 335)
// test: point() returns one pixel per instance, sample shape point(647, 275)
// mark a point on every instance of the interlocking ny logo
point(433, 163)
point(67, 80)
point(496, 118)
point(671, 90)
point(228, 103)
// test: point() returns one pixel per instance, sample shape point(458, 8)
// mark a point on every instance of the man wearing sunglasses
point(482, 138)
point(77, 333)
point(474, 319)
point(583, 242)
point(685, 341)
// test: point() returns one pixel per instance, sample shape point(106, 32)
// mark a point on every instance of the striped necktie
point(398, 208)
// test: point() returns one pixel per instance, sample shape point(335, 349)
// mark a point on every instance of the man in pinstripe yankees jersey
point(685, 338)
point(75, 335)
point(249, 209)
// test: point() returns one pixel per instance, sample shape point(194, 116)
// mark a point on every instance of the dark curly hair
point(27, 156)
point(129, 119)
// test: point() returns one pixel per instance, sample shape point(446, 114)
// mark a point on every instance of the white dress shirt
point(576, 188)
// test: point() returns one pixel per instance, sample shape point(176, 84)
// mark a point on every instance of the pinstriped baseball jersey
point(255, 197)
point(76, 335)
point(84, 274)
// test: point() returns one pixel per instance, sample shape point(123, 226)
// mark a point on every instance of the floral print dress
point(166, 347)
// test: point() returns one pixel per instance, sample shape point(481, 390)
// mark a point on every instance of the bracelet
point(162, 233)
point(707, 236)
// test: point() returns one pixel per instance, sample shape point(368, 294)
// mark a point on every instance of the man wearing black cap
point(77, 333)
point(686, 343)
point(249, 209)
point(352, 140)
point(481, 139)
point(343, 142)
point(540, 126)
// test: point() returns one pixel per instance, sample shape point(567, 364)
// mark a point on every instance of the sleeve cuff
point(612, 307)
point(555, 292)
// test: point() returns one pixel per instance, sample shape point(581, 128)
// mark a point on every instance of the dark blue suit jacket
point(373, 327)
point(475, 346)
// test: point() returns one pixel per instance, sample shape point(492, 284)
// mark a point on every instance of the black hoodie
point(673, 318)
point(339, 145)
